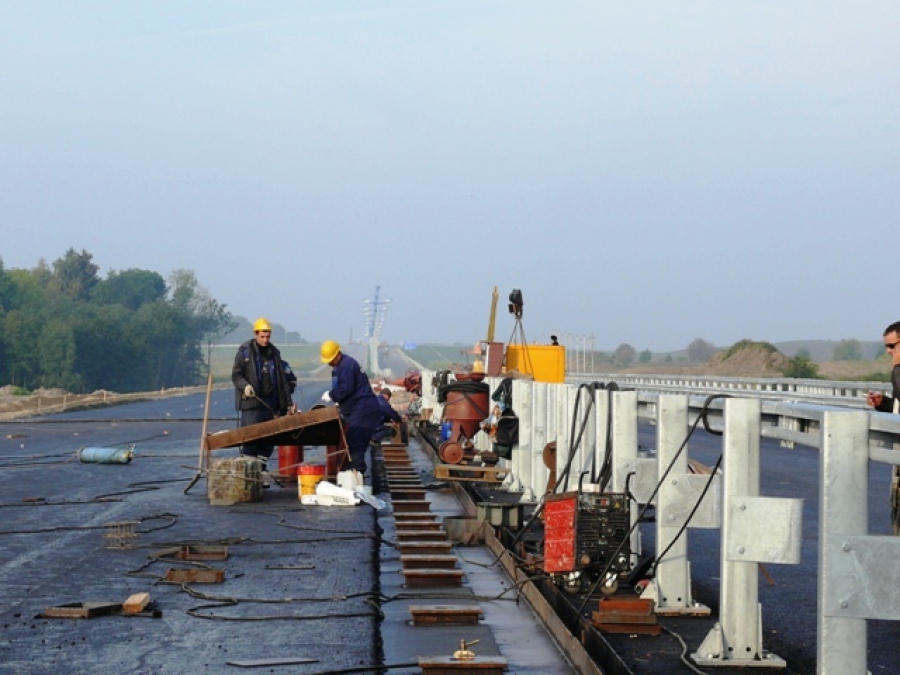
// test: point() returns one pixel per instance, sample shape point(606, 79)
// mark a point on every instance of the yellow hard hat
point(330, 349)
point(261, 324)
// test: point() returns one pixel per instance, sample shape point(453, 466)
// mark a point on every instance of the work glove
point(326, 397)
point(249, 391)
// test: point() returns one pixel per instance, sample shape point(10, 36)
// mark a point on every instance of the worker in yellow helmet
point(263, 384)
point(351, 390)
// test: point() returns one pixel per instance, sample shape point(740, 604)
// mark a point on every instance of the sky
point(646, 172)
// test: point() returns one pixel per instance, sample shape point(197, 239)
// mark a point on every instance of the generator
point(586, 537)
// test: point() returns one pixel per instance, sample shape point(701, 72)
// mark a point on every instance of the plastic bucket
point(310, 475)
point(289, 458)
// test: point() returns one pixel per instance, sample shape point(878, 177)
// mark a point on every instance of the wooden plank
point(135, 603)
point(82, 610)
point(428, 562)
point(447, 665)
point(432, 578)
point(421, 535)
point(209, 576)
point(445, 615)
point(471, 474)
point(321, 426)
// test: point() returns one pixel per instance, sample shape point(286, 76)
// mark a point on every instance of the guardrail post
point(559, 408)
point(539, 471)
point(522, 454)
point(754, 529)
point(626, 461)
point(671, 587)
point(843, 510)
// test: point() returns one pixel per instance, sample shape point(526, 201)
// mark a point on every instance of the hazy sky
point(646, 172)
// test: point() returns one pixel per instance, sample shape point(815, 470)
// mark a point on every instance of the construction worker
point(390, 418)
point(351, 390)
point(263, 384)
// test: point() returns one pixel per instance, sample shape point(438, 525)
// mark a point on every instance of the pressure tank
point(108, 455)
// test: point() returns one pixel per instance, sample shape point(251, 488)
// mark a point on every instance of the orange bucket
point(289, 458)
point(310, 475)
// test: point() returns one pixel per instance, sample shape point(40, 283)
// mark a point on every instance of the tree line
point(63, 326)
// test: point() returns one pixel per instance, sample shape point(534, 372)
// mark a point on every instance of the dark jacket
point(887, 403)
point(247, 369)
point(388, 414)
point(351, 390)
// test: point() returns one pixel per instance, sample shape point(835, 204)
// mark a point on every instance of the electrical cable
point(684, 649)
point(700, 417)
point(690, 516)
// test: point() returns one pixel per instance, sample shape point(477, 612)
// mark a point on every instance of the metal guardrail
point(820, 392)
point(858, 578)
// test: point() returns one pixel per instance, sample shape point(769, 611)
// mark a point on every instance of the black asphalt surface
point(299, 582)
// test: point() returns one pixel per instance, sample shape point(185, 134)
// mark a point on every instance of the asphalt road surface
point(298, 582)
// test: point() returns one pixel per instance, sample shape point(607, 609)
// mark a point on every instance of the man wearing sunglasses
point(891, 404)
point(876, 399)
point(263, 384)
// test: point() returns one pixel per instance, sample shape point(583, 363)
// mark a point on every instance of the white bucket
point(350, 479)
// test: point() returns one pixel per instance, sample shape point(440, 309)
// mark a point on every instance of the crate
point(546, 363)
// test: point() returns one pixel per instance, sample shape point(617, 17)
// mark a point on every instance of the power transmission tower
point(374, 309)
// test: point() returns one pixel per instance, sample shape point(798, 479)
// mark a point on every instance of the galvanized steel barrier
point(858, 577)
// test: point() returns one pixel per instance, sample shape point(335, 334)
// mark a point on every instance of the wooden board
point(82, 610)
point(136, 602)
point(196, 576)
point(320, 426)
point(470, 474)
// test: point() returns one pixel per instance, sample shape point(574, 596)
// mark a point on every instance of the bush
point(802, 368)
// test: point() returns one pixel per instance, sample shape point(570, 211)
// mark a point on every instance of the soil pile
point(750, 360)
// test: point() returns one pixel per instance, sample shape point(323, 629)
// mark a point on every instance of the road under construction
point(447, 576)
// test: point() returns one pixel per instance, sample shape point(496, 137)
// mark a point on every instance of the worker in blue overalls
point(351, 390)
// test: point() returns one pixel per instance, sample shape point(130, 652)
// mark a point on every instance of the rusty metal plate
point(321, 426)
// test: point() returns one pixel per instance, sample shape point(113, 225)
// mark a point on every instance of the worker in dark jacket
point(351, 390)
point(891, 404)
point(263, 384)
point(390, 418)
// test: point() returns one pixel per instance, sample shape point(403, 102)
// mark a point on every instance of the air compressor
point(586, 539)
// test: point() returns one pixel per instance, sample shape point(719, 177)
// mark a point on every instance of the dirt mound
point(750, 360)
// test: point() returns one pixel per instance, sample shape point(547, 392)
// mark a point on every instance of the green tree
point(131, 288)
point(847, 350)
point(624, 354)
point(645, 356)
point(57, 350)
point(75, 274)
point(700, 351)
point(24, 363)
point(801, 367)
point(6, 289)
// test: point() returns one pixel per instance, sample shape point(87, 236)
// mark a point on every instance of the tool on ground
point(204, 450)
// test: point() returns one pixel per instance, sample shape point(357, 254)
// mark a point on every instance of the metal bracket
point(765, 529)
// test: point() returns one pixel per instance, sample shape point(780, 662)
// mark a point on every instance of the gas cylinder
point(112, 455)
